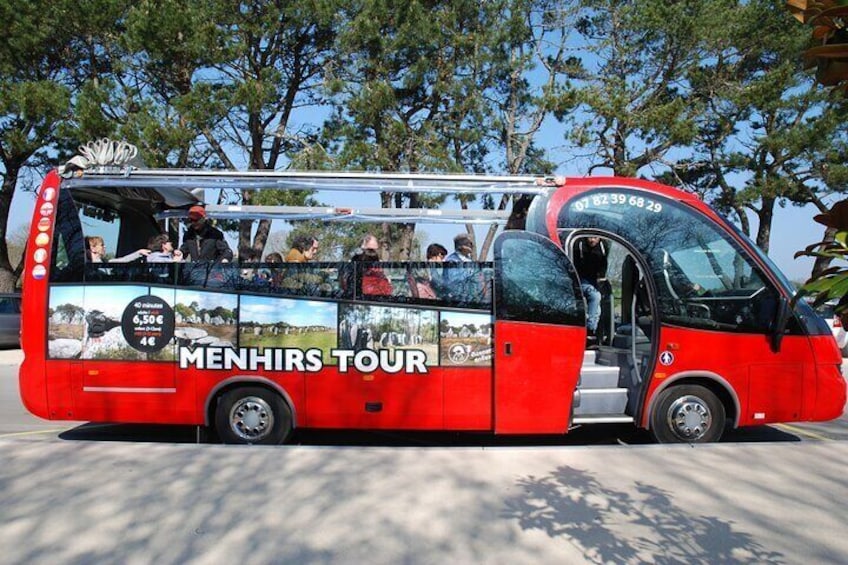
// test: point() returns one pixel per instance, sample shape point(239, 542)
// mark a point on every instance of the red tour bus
point(696, 332)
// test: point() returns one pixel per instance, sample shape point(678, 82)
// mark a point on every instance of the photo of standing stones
point(385, 327)
point(86, 323)
point(466, 339)
point(205, 319)
point(65, 322)
point(283, 322)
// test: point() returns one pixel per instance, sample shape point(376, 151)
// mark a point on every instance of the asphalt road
point(79, 493)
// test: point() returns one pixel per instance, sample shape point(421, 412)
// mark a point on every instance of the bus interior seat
point(632, 288)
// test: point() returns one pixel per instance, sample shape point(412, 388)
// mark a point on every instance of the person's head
point(196, 216)
point(436, 252)
point(161, 243)
point(593, 240)
point(367, 256)
point(463, 245)
point(94, 245)
point(370, 241)
point(306, 244)
point(274, 258)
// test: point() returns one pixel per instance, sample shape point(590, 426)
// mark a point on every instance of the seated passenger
point(202, 241)
point(304, 248)
point(428, 281)
point(95, 252)
point(162, 250)
point(369, 242)
point(374, 280)
point(464, 281)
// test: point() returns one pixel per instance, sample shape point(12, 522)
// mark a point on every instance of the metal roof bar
point(343, 214)
point(308, 180)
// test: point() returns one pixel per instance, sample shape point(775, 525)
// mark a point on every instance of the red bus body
point(528, 387)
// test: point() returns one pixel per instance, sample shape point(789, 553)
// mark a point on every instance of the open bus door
point(540, 334)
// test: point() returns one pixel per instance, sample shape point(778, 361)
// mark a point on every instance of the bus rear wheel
point(688, 414)
point(252, 415)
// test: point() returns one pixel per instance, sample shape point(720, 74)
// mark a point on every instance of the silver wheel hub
point(251, 418)
point(689, 417)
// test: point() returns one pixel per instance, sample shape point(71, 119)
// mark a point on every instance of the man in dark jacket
point(590, 260)
point(202, 241)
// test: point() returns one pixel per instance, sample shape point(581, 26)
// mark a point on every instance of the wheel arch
point(237, 381)
point(714, 382)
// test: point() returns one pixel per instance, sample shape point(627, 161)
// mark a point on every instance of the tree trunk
point(823, 263)
point(765, 215)
point(8, 275)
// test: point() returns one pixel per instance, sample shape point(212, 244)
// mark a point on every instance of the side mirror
point(780, 321)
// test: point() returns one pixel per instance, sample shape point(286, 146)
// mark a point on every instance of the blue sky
point(265, 310)
point(793, 228)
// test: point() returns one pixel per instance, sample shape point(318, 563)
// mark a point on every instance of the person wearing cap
point(202, 241)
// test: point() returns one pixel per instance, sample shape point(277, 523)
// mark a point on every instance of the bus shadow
point(609, 434)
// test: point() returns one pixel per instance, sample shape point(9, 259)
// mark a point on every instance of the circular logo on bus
point(38, 272)
point(148, 323)
point(43, 224)
point(666, 358)
point(46, 209)
point(40, 255)
point(49, 194)
point(42, 239)
point(458, 353)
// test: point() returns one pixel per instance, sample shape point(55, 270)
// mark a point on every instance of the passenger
point(590, 261)
point(249, 274)
point(371, 242)
point(274, 258)
point(428, 281)
point(464, 281)
point(202, 241)
point(162, 250)
point(374, 280)
point(436, 252)
point(304, 248)
point(95, 252)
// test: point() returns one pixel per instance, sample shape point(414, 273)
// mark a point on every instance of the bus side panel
point(133, 392)
point(468, 399)
point(378, 400)
point(537, 367)
point(35, 382)
point(769, 386)
point(829, 400)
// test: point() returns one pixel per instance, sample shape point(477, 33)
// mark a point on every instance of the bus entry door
point(540, 335)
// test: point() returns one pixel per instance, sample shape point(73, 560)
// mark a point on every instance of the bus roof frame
point(105, 177)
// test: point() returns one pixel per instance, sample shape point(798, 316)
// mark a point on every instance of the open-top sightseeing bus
point(697, 333)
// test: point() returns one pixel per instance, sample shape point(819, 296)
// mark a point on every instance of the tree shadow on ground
point(614, 526)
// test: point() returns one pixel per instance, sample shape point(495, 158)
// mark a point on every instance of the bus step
point(602, 419)
point(593, 401)
point(598, 376)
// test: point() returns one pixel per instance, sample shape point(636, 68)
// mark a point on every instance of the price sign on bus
point(148, 323)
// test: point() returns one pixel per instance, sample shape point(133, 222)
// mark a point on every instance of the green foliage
point(831, 283)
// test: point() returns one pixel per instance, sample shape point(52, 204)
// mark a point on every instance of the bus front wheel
point(252, 415)
point(687, 414)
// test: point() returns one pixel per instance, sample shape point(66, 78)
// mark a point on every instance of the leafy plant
point(832, 282)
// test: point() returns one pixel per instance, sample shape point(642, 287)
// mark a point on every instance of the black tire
point(687, 414)
point(253, 415)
